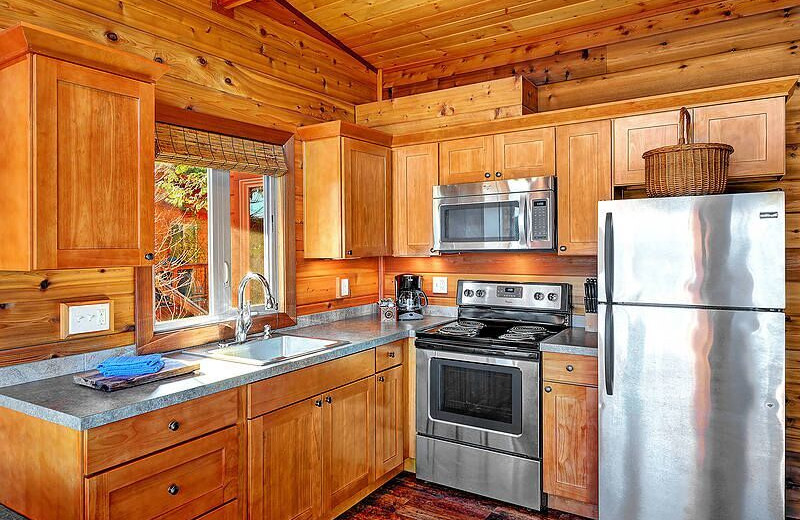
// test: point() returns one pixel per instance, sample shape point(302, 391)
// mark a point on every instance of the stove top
point(496, 334)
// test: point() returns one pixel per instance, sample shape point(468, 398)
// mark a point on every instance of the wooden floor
point(406, 498)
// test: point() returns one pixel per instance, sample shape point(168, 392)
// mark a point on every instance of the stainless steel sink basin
point(265, 351)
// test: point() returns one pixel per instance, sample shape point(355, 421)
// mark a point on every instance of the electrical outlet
point(344, 287)
point(440, 284)
point(86, 317)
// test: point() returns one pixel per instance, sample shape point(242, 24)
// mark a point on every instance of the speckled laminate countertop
point(574, 340)
point(61, 401)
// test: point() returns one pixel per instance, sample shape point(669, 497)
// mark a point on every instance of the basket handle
point(685, 127)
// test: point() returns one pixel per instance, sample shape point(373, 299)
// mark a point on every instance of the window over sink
point(211, 227)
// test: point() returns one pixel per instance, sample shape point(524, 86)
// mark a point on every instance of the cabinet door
point(349, 441)
point(584, 178)
point(367, 198)
point(94, 163)
point(637, 134)
point(466, 160)
point(525, 154)
point(389, 417)
point(570, 441)
point(416, 172)
point(285, 453)
point(755, 129)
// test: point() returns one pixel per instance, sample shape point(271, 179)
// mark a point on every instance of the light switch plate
point(344, 287)
point(78, 318)
point(440, 284)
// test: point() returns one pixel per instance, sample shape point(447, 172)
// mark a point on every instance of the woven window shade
point(177, 144)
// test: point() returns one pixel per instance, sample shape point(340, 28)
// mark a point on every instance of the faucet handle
point(267, 331)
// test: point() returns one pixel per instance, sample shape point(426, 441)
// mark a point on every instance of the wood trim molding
point(199, 121)
point(773, 87)
point(343, 129)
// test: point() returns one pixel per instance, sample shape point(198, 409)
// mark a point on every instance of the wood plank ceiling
point(393, 34)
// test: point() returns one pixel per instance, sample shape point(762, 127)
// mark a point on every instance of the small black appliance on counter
point(410, 297)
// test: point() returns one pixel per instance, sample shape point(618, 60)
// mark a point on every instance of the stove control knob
point(538, 296)
point(468, 293)
point(552, 296)
point(480, 293)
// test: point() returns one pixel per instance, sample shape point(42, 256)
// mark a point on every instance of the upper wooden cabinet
point(492, 158)
point(755, 129)
point(416, 172)
point(346, 191)
point(77, 142)
point(584, 178)
point(635, 135)
point(525, 154)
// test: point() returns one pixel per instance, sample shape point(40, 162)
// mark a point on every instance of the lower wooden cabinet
point(389, 420)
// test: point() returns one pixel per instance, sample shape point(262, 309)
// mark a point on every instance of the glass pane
point(481, 222)
point(180, 268)
point(248, 210)
point(477, 393)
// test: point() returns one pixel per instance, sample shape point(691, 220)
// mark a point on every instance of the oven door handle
point(441, 346)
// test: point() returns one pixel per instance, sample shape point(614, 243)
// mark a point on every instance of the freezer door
point(691, 418)
point(716, 251)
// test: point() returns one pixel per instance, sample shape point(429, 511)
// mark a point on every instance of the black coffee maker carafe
point(410, 297)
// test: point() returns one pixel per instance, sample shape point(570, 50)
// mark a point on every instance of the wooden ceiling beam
point(230, 4)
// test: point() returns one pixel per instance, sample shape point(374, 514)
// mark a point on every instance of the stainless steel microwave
point(494, 216)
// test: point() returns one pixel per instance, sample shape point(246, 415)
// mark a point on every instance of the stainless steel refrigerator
point(691, 361)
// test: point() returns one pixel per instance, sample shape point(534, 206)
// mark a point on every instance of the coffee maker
point(410, 297)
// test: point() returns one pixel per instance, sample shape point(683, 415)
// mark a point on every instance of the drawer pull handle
point(548, 389)
point(318, 403)
point(392, 354)
point(329, 399)
point(570, 368)
point(174, 426)
point(381, 379)
point(173, 489)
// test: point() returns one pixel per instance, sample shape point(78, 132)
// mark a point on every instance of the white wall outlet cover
point(83, 318)
point(440, 284)
point(344, 287)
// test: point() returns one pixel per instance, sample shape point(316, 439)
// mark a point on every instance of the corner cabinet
point(583, 169)
point(347, 193)
point(415, 173)
point(78, 137)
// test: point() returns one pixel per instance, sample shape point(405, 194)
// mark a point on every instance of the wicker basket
point(687, 168)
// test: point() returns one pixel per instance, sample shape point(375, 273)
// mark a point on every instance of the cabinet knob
point(570, 368)
point(562, 248)
point(487, 175)
point(173, 489)
point(548, 389)
point(149, 256)
point(329, 399)
point(174, 425)
point(318, 403)
point(381, 379)
point(498, 174)
point(349, 252)
point(392, 354)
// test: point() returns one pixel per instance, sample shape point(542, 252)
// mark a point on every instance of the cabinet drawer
point(285, 389)
point(129, 439)
point(569, 368)
point(180, 483)
point(389, 355)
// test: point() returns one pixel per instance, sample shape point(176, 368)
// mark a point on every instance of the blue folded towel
point(131, 366)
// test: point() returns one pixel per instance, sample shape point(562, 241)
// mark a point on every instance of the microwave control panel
point(540, 220)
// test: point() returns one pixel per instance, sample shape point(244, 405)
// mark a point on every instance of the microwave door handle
point(524, 223)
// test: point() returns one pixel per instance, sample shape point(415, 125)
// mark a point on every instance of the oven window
point(476, 394)
point(480, 222)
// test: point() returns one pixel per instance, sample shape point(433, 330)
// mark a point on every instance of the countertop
point(574, 340)
point(60, 400)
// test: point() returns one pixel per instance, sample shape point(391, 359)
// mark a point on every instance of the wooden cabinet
point(635, 135)
point(285, 453)
point(504, 156)
point(583, 169)
point(79, 150)
point(525, 154)
point(755, 129)
point(415, 173)
point(466, 160)
point(348, 434)
point(346, 194)
point(389, 419)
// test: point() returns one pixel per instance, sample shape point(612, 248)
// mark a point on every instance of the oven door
point(485, 401)
point(493, 222)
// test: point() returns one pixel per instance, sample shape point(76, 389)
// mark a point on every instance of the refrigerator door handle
point(608, 257)
point(608, 349)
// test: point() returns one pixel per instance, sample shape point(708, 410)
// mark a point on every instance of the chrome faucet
point(244, 317)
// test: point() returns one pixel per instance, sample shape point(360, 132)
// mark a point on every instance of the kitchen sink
point(263, 351)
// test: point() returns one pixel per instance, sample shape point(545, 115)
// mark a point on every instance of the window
point(211, 227)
